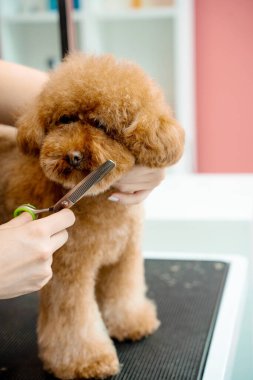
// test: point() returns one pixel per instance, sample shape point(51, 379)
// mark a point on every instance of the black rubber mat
point(187, 294)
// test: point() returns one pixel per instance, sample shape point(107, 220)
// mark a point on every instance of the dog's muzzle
point(74, 158)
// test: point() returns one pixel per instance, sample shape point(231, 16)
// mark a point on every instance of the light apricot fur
point(104, 109)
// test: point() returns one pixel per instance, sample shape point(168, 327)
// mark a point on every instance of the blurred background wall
point(224, 85)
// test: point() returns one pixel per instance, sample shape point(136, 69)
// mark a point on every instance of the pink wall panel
point(224, 64)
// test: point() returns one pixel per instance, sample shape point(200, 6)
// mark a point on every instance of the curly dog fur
point(91, 109)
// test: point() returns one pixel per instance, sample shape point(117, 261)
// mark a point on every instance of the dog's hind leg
point(127, 312)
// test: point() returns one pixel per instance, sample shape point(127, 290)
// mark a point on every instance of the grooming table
point(199, 302)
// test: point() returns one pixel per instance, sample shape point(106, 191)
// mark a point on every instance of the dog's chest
point(104, 230)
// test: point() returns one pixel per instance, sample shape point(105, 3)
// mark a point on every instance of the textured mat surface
point(187, 294)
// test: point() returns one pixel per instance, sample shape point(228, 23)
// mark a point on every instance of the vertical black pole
point(62, 9)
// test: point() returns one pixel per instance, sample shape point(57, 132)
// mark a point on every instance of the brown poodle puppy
point(92, 109)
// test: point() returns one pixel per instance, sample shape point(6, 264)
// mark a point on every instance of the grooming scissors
point(73, 196)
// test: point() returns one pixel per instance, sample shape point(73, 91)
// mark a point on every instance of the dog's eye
point(97, 124)
point(67, 119)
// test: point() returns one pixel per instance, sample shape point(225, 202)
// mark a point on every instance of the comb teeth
point(91, 179)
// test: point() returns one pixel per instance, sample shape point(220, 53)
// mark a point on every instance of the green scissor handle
point(25, 208)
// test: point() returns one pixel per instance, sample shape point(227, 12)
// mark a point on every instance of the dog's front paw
point(133, 323)
point(97, 362)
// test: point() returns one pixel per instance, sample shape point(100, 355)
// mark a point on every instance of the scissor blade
point(75, 194)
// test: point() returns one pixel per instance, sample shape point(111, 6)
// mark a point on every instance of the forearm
point(18, 86)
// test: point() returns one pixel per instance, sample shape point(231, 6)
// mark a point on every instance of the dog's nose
point(74, 158)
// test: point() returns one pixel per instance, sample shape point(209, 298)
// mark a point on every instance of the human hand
point(137, 184)
point(26, 251)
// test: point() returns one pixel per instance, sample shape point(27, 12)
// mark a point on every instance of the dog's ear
point(30, 131)
point(155, 141)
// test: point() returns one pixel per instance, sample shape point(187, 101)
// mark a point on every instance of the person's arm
point(19, 86)
point(27, 249)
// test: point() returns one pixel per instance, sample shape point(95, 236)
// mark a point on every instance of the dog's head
point(97, 108)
